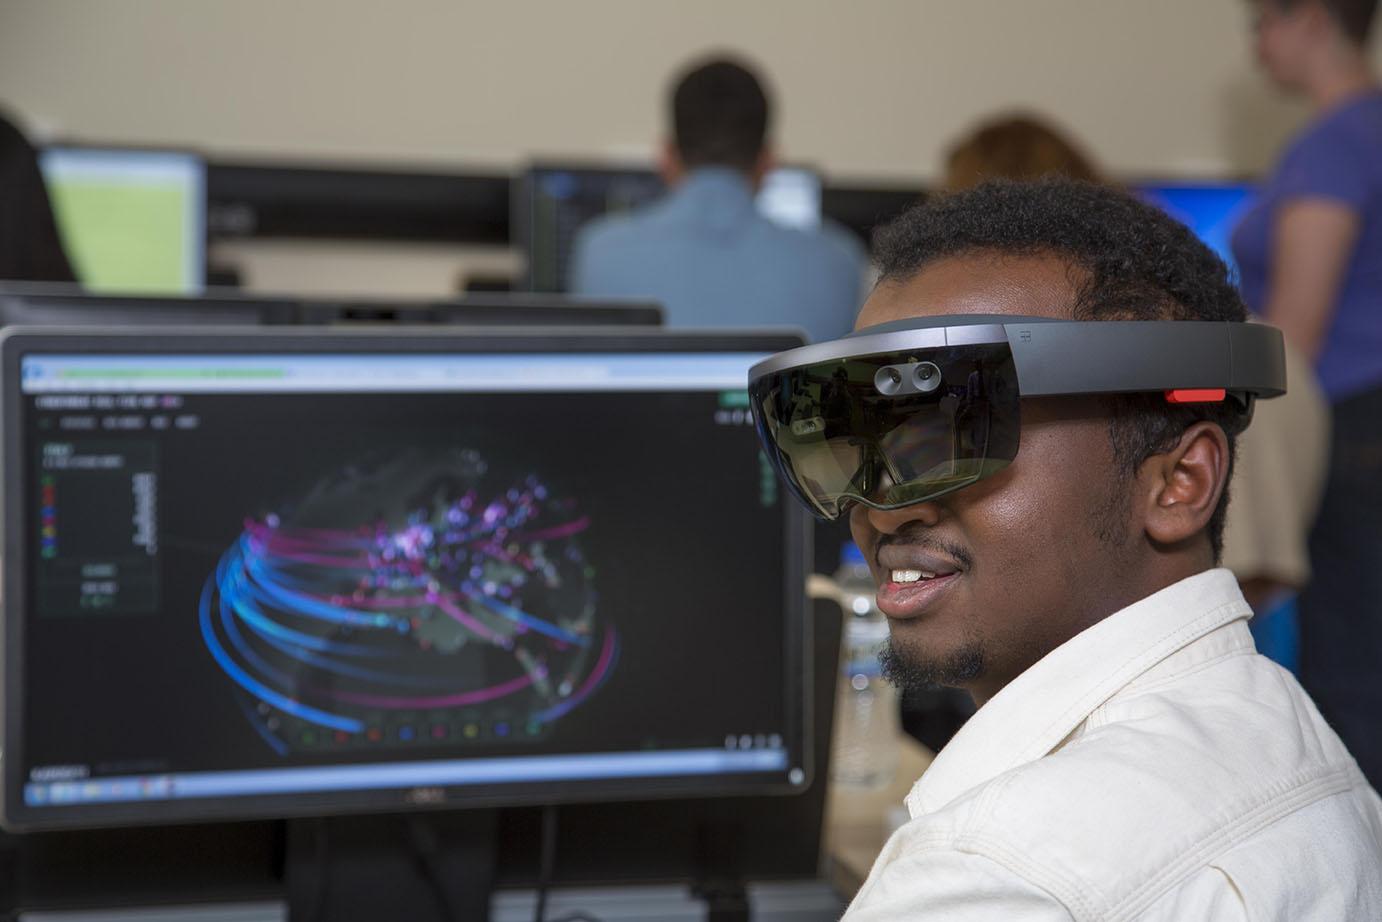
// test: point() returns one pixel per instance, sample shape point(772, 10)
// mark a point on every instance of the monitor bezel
point(18, 342)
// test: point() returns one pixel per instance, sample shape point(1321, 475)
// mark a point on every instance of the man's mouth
point(913, 576)
point(912, 582)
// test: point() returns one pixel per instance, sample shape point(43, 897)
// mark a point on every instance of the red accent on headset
point(1196, 395)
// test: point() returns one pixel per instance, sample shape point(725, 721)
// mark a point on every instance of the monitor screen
point(294, 573)
point(552, 202)
point(1211, 210)
point(792, 197)
point(130, 220)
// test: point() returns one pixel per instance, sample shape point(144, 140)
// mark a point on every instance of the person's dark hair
point(1134, 263)
point(1354, 17)
point(719, 115)
point(30, 249)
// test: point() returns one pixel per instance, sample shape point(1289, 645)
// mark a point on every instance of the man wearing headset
point(1042, 507)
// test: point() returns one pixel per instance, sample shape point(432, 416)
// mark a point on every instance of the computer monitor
point(260, 573)
point(551, 202)
point(1210, 209)
point(43, 304)
point(130, 220)
point(519, 309)
point(791, 196)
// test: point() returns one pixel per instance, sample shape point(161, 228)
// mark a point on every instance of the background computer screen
point(552, 202)
point(48, 304)
point(1211, 210)
point(250, 584)
point(792, 197)
point(130, 220)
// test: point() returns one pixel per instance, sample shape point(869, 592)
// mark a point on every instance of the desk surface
point(856, 822)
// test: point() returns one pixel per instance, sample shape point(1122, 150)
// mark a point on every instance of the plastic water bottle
point(867, 725)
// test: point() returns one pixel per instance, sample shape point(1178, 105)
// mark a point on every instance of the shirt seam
point(1081, 895)
point(1064, 890)
point(1298, 793)
point(1071, 893)
point(1084, 900)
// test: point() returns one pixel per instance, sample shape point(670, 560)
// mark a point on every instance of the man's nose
point(892, 521)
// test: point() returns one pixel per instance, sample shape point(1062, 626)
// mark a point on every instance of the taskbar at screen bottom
point(404, 775)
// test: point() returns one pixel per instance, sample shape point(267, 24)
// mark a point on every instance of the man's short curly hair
point(720, 115)
point(1132, 262)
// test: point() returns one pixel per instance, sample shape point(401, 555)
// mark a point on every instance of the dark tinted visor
point(891, 429)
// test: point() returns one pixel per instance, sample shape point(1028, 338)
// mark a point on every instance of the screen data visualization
point(1212, 210)
point(131, 221)
point(551, 203)
point(292, 583)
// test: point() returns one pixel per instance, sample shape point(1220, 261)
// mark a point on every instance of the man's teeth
point(911, 576)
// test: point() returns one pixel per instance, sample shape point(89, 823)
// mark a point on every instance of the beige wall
point(867, 89)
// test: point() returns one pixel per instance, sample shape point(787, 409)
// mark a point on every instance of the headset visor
point(890, 429)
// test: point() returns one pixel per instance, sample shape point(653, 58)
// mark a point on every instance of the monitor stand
point(417, 866)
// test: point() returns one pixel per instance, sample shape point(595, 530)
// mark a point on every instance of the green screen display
point(131, 221)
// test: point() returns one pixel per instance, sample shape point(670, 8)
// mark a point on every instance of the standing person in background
point(1310, 254)
point(30, 249)
point(704, 250)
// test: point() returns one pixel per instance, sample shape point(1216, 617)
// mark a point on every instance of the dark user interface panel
point(277, 576)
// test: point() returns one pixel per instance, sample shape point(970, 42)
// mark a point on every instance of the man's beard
point(914, 671)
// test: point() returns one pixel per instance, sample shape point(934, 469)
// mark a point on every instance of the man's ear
point(669, 163)
point(1183, 485)
point(763, 164)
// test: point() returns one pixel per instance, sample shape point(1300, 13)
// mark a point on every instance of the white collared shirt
point(1152, 768)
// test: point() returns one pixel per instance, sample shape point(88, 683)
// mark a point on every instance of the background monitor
point(130, 220)
point(1212, 210)
point(327, 571)
point(791, 196)
point(70, 305)
point(488, 310)
point(552, 202)
point(39, 304)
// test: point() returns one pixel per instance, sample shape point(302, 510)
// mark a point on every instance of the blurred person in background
point(1310, 254)
point(1016, 146)
point(704, 250)
point(30, 248)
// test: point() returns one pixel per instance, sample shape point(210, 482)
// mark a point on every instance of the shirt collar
point(714, 195)
point(1034, 712)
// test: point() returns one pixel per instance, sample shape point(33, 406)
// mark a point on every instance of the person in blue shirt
point(1310, 257)
point(704, 251)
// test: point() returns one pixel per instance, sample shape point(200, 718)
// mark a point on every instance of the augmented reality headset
point(905, 412)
